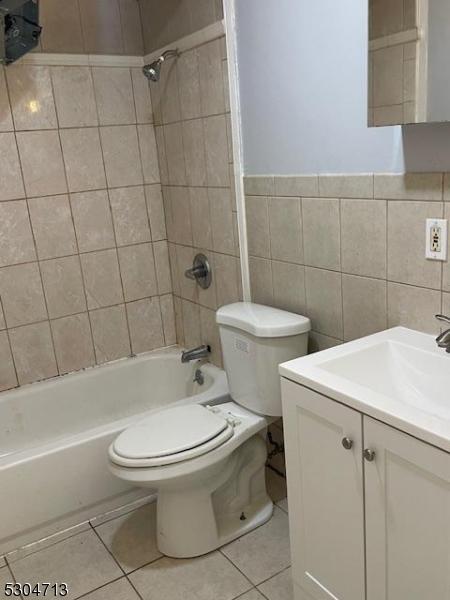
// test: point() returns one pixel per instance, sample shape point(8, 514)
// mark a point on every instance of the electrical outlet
point(436, 239)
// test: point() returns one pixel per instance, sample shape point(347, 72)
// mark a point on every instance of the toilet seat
point(171, 436)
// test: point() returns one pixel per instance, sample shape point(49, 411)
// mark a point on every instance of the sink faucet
point(443, 339)
point(195, 354)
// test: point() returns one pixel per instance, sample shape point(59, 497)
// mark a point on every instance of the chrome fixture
point(195, 354)
point(199, 377)
point(369, 455)
point(443, 339)
point(153, 70)
point(347, 443)
point(200, 272)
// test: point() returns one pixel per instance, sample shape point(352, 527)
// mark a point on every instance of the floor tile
point(5, 577)
point(131, 538)
point(80, 561)
point(278, 587)
point(251, 595)
point(264, 551)
point(276, 485)
point(205, 578)
point(119, 590)
point(283, 504)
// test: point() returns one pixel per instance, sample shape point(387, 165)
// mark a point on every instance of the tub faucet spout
point(195, 353)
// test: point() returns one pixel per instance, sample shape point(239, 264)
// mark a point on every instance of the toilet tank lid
point(262, 321)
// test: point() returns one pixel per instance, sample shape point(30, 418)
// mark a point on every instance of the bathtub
point(54, 437)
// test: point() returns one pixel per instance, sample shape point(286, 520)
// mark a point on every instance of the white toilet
point(207, 463)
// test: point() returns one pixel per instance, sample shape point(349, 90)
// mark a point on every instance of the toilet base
point(229, 500)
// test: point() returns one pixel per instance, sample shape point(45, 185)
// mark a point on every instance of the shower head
point(153, 70)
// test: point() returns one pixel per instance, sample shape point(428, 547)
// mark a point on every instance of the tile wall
point(192, 123)
point(84, 264)
point(166, 21)
point(348, 251)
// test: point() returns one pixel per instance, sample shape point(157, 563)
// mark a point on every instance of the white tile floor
point(118, 560)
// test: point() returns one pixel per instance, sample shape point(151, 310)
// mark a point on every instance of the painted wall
point(303, 73)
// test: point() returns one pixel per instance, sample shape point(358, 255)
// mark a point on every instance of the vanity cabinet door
point(407, 486)
point(325, 492)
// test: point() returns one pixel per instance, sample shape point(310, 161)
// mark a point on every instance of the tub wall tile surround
point(348, 250)
point(84, 265)
point(192, 124)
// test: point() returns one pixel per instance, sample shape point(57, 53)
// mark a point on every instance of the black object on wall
point(19, 28)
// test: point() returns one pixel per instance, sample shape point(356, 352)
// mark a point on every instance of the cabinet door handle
point(369, 455)
point(347, 443)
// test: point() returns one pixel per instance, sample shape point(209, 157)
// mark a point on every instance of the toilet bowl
point(208, 463)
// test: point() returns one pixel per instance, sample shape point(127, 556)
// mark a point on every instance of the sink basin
point(399, 373)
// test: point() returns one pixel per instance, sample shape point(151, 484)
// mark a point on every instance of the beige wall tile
point(177, 305)
point(121, 154)
point(74, 96)
point(175, 155)
point(93, 222)
point(101, 278)
point(129, 215)
point(191, 324)
point(61, 29)
point(364, 305)
point(216, 147)
point(320, 223)
point(73, 343)
point(146, 331)
point(22, 295)
point(285, 223)
point(53, 229)
point(319, 342)
point(446, 265)
point(221, 220)
point(388, 76)
point(10, 173)
point(100, 20)
point(211, 78)
point(210, 334)
point(63, 285)
point(162, 266)
point(174, 268)
point(188, 289)
point(8, 378)
point(6, 122)
point(114, 94)
point(303, 185)
point(83, 159)
point(363, 237)
point(257, 209)
point(226, 279)
point(409, 186)
point(413, 307)
point(260, 186)
point(33, 352)
point(194, 152)
point(388, 115)
point(162, 155)
point(189, 85)
point(168, 90)
point(178, 218)
point(138, 271)
point(130, 18)
point(201, 218)
point(31, 96)
point(168, 319)
point(142, 97)
point(149, 154)
point(324, 301)
point(261, 281)
point(406, 244)
point(447, 186)
point(289, 287)
point(346, 186)
point(16, 239)
point(42, 163)
point(155, 208)
point(110, 333)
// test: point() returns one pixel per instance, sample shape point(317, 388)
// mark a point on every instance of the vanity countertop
point(398, 376)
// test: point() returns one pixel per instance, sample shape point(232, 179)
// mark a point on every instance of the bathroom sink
point(398, 373)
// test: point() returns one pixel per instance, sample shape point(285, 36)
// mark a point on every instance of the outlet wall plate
point(436, 239)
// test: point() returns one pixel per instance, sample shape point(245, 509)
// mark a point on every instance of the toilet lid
point(173, 431)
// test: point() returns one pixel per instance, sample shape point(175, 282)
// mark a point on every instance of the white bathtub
point(54, 438)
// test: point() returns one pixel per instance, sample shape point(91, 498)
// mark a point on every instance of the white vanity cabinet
point(369, 506)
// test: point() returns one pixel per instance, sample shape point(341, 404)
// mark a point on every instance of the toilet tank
point(255, 340)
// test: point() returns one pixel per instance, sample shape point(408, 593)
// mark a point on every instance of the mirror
point(409, 62)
